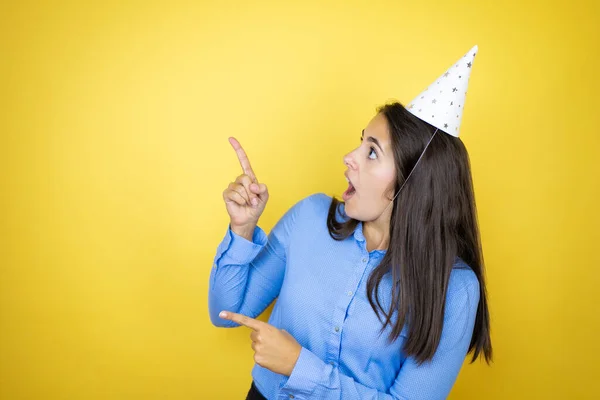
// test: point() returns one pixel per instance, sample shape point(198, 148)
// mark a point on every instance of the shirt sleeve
point(246, 276)
point(313, 378)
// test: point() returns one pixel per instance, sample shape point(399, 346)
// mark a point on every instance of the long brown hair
point(434, 221)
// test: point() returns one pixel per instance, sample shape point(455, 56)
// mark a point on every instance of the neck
point(377, 234)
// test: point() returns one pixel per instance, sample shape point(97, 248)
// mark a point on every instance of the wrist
point(246, 231)
point(294, 360)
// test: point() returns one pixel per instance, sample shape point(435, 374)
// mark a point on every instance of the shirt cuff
point(305, 376)
point(235, 249)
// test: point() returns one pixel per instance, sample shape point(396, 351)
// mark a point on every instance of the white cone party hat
point(443, 102)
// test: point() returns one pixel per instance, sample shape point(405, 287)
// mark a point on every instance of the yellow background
point(114, 154)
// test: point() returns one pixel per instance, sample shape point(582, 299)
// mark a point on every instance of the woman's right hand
point(245, 199)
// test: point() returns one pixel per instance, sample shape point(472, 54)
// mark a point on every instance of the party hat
point(443, 102)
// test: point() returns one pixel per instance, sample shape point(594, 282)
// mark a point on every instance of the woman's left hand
point(274, 349)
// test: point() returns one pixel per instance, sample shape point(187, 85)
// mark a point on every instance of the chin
point(367, 213)
point(349, 209)
point(354, 213)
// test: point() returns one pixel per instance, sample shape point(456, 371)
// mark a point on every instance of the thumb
point(262, 189)
point(259, 188)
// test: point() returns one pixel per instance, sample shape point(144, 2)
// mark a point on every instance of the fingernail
point(223, 314)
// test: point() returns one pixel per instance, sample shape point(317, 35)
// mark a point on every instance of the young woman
point(380, 296)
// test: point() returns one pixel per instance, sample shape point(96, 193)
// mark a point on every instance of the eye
point(372, 153)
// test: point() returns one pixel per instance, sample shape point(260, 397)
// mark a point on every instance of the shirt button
point(331, 362)
point(337, 328)
point(291, 396)
point(350, 293)
point(364, 260)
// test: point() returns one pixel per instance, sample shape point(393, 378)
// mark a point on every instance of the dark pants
point(254, 394)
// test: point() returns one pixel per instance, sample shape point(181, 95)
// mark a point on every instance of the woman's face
point(371, 173)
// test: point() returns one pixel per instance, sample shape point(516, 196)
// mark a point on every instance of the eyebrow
point(373, 140)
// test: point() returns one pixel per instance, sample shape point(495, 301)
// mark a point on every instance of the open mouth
point(349, 192)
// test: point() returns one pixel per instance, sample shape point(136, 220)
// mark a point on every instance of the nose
point(349, 161)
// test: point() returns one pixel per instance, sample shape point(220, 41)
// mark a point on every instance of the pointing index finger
point(243, 320)
point(243, 158)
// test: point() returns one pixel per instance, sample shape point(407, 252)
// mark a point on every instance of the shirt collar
point(358, 232)
point(360, 237)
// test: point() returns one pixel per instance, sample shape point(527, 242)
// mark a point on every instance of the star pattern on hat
point(452, 87)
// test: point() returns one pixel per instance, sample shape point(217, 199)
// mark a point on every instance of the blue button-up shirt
point(320, 286)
